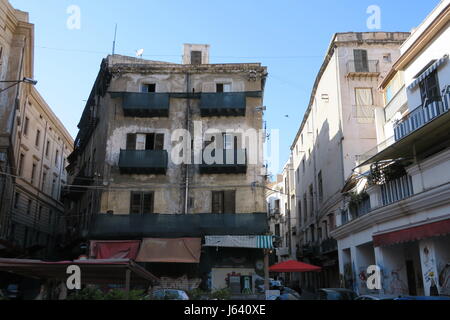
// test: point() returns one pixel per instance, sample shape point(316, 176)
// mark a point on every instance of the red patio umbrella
point(293, 266)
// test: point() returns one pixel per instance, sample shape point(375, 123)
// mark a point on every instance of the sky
point(290, 37)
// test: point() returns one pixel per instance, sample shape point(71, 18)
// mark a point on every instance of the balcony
point(144, 104)
point(223, 104)
point(81, 180)
point(230, 161)
point(143, 161)
point(369, 69)
point(126, 226)
point(396, 190)
point(328, 245)
point(419, 117)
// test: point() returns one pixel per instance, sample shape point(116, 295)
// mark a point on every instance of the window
point(299, 211)
point(39, 213)
point(47, 148)
point(319, 182)
point(38, 137)
point(56, 158)
point(25, 126)
point(30, 203)
point(303, 165)
point(16, 200)
point(21, 160)
point(44, 178)
point(53, 186)
point(149, 141)
point(141, 202)
point(363, 97)
point(429, 88)
point(277, 206)
point(224, 201)
point(33, 172)
point(196, 57)
point(305, 207)
point(148, 87)
point(311, 199)
point(223, 87)
point(277, 229)
point(361, 62)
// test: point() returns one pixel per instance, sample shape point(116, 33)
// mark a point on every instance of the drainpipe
point(186, 166)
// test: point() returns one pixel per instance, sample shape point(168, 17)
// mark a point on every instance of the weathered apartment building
point(33, 147)
point(398, 210)
point(338, 125)
point(128, 188)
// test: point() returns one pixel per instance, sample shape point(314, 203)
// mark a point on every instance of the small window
point(56, 158)
point(223, 87)
point(141, 202)
point(38, 137)
point(30, 202)
point(21, 161)
point(224, 201)
point(33, 173)
point(148, 87)
point(44, 178)
point(196, 57)
point(47, 148)
point(16, 200)
point(25, 126)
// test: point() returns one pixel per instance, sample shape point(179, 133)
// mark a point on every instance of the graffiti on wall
point(444, 279)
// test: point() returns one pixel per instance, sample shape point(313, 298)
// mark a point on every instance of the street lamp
point(15, 82)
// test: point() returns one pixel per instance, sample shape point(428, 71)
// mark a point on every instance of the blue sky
point(289, 37)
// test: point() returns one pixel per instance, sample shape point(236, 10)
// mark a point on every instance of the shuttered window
point(361, 62)
point(224, 201)
point(141, 202)
point(196, 57)
point(131, 141)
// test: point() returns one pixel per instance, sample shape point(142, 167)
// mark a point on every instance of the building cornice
point(425, 200)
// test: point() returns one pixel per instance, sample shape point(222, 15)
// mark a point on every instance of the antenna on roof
point(114, 42)
point(139, 53)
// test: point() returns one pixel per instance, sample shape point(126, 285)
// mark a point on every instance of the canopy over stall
point(93, 271)
point(293, 266)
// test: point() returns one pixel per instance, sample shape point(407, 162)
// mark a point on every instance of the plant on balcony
point(380, 173)
point(356, 200)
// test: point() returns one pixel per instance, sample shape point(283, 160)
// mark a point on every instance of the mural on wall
point(428, 269)
point(362, 275)
point(348, 276)
point(444, 279)
point(395, 284)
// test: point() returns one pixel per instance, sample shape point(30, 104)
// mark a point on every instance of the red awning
point(412, 234)
point(119, 249)
point(179, 250)
point(293, 266)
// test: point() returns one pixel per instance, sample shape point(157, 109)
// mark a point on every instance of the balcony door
point(145, 141)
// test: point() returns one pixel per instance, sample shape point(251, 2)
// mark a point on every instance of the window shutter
point(217, 202)
point(230, 201)
point(361, 63)
point(196, 57)
point(135, 207)
point(131, 141)
point(147, 206)
point(159, 141)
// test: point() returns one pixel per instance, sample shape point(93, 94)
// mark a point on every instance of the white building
point(397, 213)
point(339, 124)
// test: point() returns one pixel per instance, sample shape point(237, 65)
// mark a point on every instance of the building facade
point(338, 125)
point(34, 146)
point(397, 211)
point(179, 144)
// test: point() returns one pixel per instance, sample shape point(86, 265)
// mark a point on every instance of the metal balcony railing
point(143, 161)
point(396, 190)
point(362, 67)
point(144, 104)
point(228, 161)
point(223, 104)
point(419, 117)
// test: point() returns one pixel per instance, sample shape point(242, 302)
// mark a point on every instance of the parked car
point(423, 298)
point(12, 292)
point(286, 290)
point(288, 296)
point(169, 294)
point(336, 294)
point(377, 297)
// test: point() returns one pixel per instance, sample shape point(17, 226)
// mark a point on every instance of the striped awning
point(257, 242)
point(427, 72)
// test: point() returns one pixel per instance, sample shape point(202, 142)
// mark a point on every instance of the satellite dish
point(139, 53)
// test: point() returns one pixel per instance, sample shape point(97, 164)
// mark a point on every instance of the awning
point(93, 271)
point(412, 234)
point(293, 266)
point(120, 249)
point(259, 242)
point(427, 72)
point(181, 250)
